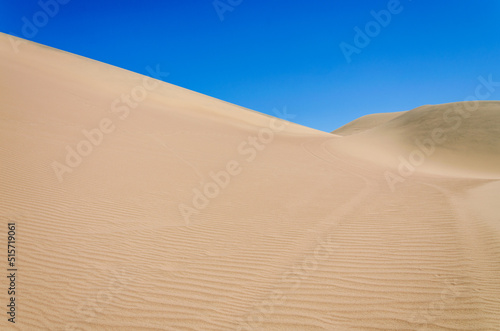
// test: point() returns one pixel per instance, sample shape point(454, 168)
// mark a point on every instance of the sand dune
point(365, 123)
point(140, 205)
point(456, 139)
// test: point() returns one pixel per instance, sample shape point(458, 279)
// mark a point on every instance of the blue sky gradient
point(264, 54)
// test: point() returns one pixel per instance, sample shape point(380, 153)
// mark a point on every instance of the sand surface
point(140, 205)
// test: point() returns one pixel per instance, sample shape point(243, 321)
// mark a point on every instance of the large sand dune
point(140, 205)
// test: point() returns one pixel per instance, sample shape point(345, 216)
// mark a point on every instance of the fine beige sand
point(140, 205)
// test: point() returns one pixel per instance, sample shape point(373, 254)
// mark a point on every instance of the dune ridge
point(365, 123)
point(178, 211)
point(456, 139)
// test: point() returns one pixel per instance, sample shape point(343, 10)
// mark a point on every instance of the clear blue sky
point(265, 54)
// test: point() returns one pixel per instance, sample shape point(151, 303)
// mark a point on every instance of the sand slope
point(144, 206)
point(457, 139)
point(365, 123)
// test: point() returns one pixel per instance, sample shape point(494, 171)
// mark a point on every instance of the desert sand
point(140, 205)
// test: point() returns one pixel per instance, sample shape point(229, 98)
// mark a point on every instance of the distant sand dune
point(365, 123)
point(177, 211)
point(457, 139)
